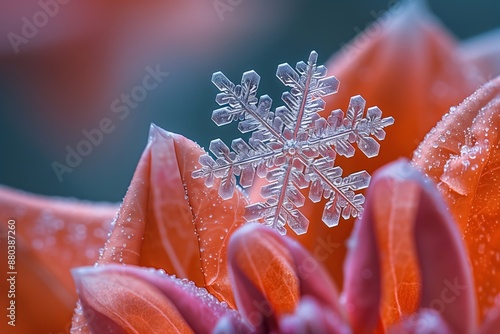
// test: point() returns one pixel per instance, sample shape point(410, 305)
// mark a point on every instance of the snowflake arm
point(292, 147)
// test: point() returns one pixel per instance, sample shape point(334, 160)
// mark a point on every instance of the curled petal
point(263, 262)
point(447, 284)
point(200, 310)
point(214, 219)
point(314, 280)
point(263, 274)
point(394, 202)
point(461, 155)
point(180, 219)
point(446, 279)
point(117, 301)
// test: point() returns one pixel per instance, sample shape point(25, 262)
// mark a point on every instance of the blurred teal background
point(256, 34)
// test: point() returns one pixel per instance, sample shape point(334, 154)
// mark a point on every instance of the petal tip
point(155, 131)
point(80, 273)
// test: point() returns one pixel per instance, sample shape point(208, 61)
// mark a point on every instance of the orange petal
point(180, 219)
point(394, 207)
point(264, 275)
point(215, 219)
point(407, 65)
point(171, 221)
point(118, 302)
point(52, 236)
point(461, 154)
point(363, 284)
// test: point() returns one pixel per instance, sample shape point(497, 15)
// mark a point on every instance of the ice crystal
point(293, 147)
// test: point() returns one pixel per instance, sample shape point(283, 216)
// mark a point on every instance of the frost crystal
point(292, 147)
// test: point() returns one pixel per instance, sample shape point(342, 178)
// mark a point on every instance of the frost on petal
point(292, 146)
point(52, 236)
point(117, 302)
point(214, 220)
point(171, 221)
point(461, 154)
point(199, 309)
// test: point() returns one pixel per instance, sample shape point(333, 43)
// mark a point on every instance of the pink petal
point(312, 317)
point(446, 276)
point(491, 322)
point(200, 310)
point(116, 302)
point(362, 282)
point(447, 284)
point(424, 322)
point(266, 268)
point(314, 280)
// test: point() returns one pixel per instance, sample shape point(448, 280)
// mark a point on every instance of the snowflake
point(293, 147)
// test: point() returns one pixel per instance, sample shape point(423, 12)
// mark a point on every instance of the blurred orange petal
point(407, 64)
point(52, 235)
point(484, 52)
point(461, 154)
